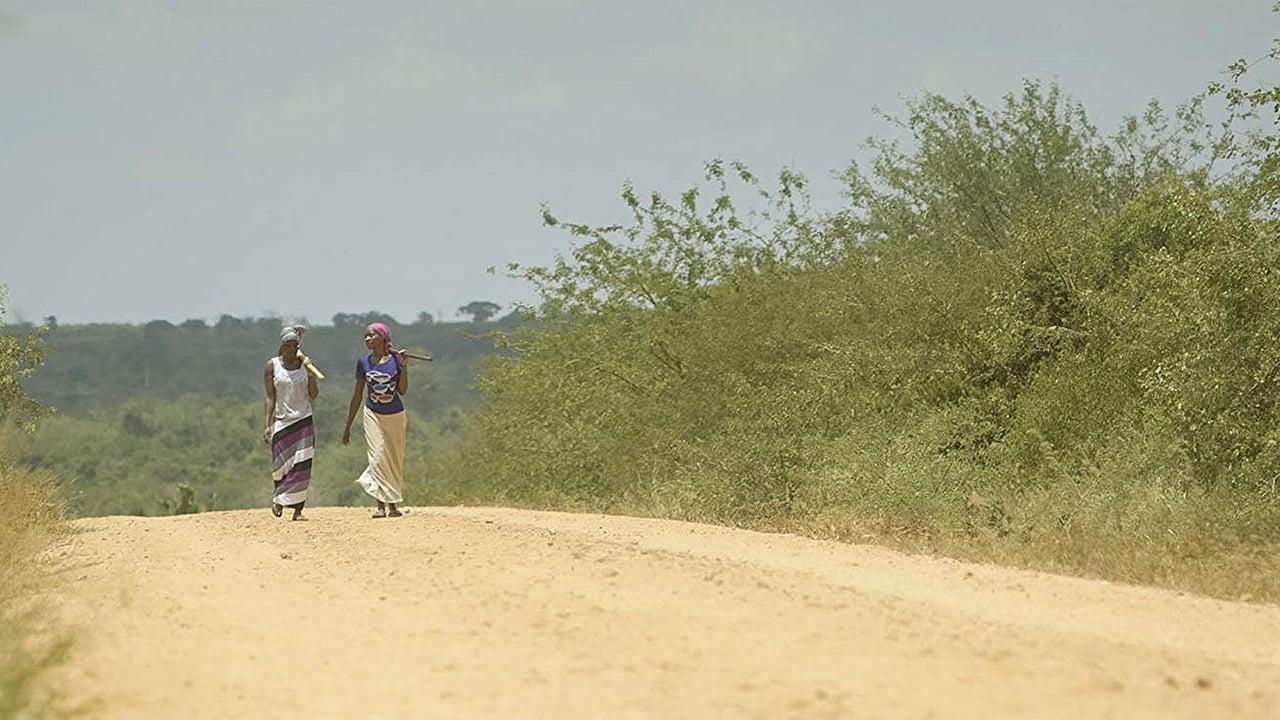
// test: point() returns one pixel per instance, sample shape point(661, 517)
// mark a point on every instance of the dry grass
point(1127, 519)
point(1124, 521)
point(1164, 542)
point(32, 645)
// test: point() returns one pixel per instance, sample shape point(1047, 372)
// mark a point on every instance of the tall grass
point(32, 644)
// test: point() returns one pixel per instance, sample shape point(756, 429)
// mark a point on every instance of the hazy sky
point(163, 159)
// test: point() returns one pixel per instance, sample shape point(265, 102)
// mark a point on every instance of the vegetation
point(164, 419)
point(30, 520)
point(480, 310)
point(32, 645)
point(1021, 340)
point(20, 353)
point(102, 366)
point(160, 457)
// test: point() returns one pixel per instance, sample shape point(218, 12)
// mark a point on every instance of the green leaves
point(20, 354)
point(1012, 305)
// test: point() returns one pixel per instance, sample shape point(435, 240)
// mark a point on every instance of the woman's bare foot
point(393, 512)
point(381, 512)
point(276, 509)
point(298, 516)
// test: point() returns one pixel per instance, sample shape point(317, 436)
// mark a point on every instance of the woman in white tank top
point(290, 381)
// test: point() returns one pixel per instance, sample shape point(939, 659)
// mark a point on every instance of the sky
point(175, 160)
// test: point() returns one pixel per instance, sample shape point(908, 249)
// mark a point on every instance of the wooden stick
point(417, 356)
point(306, 363)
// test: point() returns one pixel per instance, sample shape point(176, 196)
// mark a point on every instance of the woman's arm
point(351, 410)
point(270, 405)
point(402, 382)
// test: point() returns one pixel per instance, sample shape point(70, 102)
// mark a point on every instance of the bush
point(1021, 339)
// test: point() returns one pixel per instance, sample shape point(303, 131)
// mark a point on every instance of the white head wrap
point(291, 332)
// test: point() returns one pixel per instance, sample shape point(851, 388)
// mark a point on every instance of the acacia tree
point(480, 310)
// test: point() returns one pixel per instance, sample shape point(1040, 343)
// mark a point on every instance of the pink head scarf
point(384, 332)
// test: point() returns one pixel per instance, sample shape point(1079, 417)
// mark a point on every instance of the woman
point(291, 386)
point(384, 374)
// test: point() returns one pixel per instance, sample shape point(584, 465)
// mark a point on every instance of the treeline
point(151, 456)
point(158, 419)
point(102, 365)
point(1022, 339)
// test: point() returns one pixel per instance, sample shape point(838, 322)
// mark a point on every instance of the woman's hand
point(346, 436)
point(402, 381)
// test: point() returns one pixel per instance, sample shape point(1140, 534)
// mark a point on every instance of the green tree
point(480, 311)
point(229, 323)
point(362, 319)
point(20, 354)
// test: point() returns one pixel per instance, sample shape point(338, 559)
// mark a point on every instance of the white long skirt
point(384, 478)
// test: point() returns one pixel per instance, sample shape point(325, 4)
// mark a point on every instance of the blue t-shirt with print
point(380, 382)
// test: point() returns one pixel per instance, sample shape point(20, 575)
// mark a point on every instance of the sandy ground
point(505, 613)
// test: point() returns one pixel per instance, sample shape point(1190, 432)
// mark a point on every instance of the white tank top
point(292, 401)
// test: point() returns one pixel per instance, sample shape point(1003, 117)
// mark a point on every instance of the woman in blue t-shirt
point(382, 377)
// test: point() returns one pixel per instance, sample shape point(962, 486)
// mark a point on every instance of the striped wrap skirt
point(292, 448)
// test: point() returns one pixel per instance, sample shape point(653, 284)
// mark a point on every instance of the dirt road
point(507, 613)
